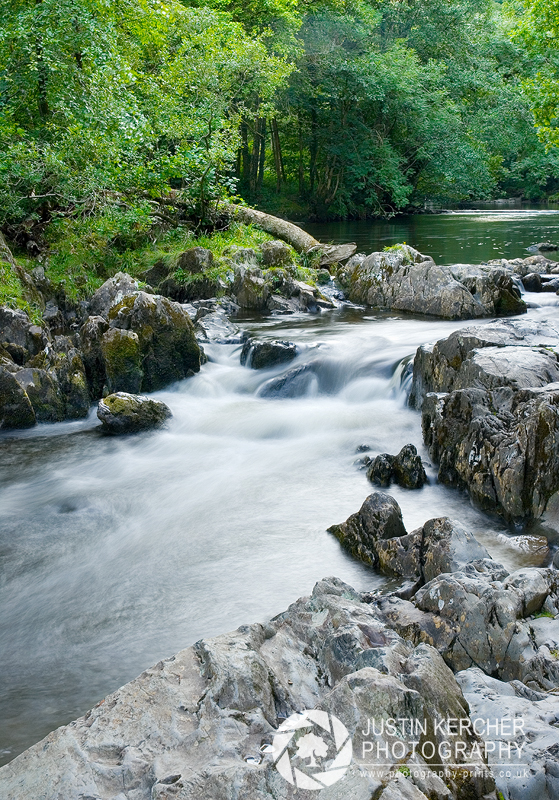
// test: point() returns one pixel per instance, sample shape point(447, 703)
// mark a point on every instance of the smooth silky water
point(116, 553)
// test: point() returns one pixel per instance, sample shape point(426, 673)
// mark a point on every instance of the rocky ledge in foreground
point(490, 413)
point(215, 722)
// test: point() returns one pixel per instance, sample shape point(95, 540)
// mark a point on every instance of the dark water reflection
point(469, 237)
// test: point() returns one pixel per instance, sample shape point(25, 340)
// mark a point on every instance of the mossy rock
point(43, 392)
point(123, 361)
point(123, 413)
point(16, 410)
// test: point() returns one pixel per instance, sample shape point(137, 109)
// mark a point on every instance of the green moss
point(404, 770)
point(544, 614)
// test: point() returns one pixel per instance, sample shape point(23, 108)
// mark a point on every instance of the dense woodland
point(120, 115)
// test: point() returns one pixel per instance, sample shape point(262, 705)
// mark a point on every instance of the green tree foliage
point(112, 102)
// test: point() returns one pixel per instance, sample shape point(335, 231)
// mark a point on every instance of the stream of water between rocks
point(116, 553)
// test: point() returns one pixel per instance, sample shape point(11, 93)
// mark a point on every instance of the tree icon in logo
point(312, 735)
point(309, 746)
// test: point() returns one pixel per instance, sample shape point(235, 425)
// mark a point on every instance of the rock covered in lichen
point(129, 413)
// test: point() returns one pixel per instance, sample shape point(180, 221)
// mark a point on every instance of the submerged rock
point(262, 355)
point(130, 413)
point(405, 469)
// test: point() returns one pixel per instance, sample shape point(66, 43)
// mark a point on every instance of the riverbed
point(116, 553)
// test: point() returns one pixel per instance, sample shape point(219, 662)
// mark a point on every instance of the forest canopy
point(123, 111)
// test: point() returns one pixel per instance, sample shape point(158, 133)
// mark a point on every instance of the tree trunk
point(301, 164)
point(277, 153)
point(262, 152)
point(245, 155)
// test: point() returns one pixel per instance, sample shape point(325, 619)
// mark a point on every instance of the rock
point(63, 361)
point(197, 287)
point(533, 742)
point(378, 518)
point(91, 335)
point(323, 276)
point(112, 292)
point(129, 413)
point(157, 273)
point(376, 535)
point(16, 328)
point(250, 288)
point(197, 259)
point(495, 288)
point(500, 445)
point(542, 247)
point(44, 393)
point(16, 410)
point(206, 722)
point(123, 361)
point(166, 335)
point(406, 469)
point(532, 282)
point(551, 285)
point(216, 327)
point(275, 253)
point(405, 280)
point(459, 361)
point(263, 355)
point(296, 382)
point(476, 617)
point(335, 253)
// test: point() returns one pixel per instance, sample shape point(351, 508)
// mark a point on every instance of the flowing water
point(116, 553)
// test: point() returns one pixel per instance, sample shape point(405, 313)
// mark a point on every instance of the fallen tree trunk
point(301, 241)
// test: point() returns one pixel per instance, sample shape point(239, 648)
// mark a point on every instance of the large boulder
point(166, 336)
point(495, 287)
point(262, 355)
point(16, 410)
point(227, 718)
point(275, 253)
point(196, 259)
point(405, 280)
point(519, 354)
point(129, 413)
point(111, 292)
point(502, 445)
point(123, 361)
point(377, 536)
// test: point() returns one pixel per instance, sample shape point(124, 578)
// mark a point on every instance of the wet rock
point(500, 445)
point(216, 327)
point(91, 336)
point(532, 282)
point(543, 247)
point(275, 254)
point(460, 360)
point(196, 259)
point(296, 382)
point(405, 469)
point(112, 292)
point(221, 702)
point(63, 361)
point(263, 355)
point(16, 410)
point(123, 361)
point(551, 285)
point(44, 393)
point(250, 288)
point(166, 335)
point(495, 288)
point(378, 518)
point(198, 287)
point(381, 470)
point(130, 413)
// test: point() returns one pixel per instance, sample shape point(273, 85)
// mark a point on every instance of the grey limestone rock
point(129, 413)
point(262, 355)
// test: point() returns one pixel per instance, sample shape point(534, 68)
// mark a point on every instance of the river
point(116, 553)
